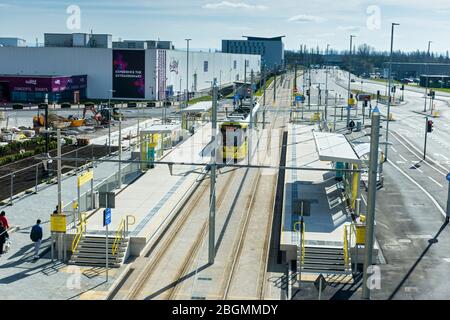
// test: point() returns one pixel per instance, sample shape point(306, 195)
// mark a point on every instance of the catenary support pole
point(120, 152)
point(370, 219)
point(426, 138)
point(389, 93)
point(349, 81)
point(212, 205)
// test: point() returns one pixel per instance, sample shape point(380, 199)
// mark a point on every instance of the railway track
point(177, 229)
point(174, 255)
point(243, 246)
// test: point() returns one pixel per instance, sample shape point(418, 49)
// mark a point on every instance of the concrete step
point(99, 246)
point(91, 252)
point(99, 250)
point(322, 268)
point(99, 240)
point(325, 256)
point(90, 263)
point(324, 250)
point(323, 261)
point(94, 255)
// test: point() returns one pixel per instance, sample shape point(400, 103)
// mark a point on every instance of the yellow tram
point(234, 141)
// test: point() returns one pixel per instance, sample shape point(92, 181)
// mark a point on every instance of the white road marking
point(440, 185)
point(395, 150)
point(420, 187)
point(400, 162)
point(442, 156)
point(415, 166)
point(420, 152)
point(403, 157)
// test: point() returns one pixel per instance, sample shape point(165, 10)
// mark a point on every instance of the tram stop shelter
point(337, 149)
point(197, 112)
point(155, 139)
point(363, 152)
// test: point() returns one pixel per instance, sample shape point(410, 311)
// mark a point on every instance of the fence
point(130, 172)
point(31, 179)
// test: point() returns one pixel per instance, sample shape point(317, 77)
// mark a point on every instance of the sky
point(312, 23)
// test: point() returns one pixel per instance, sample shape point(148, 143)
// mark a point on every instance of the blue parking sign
point(448, 177)
point(106, 217)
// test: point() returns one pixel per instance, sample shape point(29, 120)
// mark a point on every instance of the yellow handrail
point(348, 231)
point(80, 230)
point(303, 243)
point(119, 236)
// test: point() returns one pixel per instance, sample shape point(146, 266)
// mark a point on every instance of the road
point(411, 206)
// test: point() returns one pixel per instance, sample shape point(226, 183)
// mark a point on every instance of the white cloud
point(304, 18)
point(349, 28)
point(233, 5)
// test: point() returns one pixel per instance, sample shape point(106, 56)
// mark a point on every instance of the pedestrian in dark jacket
point(3, 236)
point(36, 237)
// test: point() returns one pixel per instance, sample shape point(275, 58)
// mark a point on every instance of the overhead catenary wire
point(233, 165)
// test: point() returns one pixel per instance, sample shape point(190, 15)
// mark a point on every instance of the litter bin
point(358, 126)
point(360, 233)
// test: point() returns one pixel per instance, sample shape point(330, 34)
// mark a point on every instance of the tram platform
point(326, 209)
point(325, 212)
point(154, 197)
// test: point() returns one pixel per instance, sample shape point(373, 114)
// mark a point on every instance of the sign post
point(58, 226)
point(447, 219)
point(81, 180)
point(106, 222)
point(320, 284)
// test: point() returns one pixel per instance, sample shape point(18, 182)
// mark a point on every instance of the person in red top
point(4, 220)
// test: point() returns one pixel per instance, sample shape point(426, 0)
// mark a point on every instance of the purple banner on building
point(129, 74)
point(48, 84)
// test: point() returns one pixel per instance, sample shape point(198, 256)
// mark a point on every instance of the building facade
point(271, 50)
point(124, 74)
point(23, 88)
point(12, 42)
point(415, 70)
point(80, 40)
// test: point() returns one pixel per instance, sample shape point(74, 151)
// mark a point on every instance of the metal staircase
point(325, 260)
point(91, 251)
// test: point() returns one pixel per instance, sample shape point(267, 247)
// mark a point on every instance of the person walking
point(3, 236)
point(4, 220)
point(36, 237)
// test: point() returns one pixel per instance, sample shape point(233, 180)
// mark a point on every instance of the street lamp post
point(389, 93)
point(427, 79)
point(326, 84)
point(109, 120)
point(187, 73)
point(349, 79)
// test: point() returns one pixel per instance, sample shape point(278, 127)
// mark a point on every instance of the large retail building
point(27, 74)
